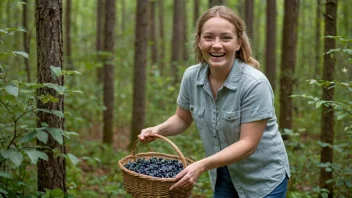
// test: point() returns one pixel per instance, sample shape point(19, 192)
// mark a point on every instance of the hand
point(146, 135)
point(188, 176)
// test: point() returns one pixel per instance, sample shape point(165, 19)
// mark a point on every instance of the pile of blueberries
point(156, 167)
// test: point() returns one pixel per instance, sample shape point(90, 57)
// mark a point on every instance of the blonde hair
point(245, 51)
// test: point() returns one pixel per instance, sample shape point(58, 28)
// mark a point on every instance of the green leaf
point(48, 98)
point(333, 50)
point(14, 156)
point(319, 103)
point(28, 137)
point(12, 90)
point(323, 144)
point(348, 184)
point(348, 51)
point(24, 54)
point(75, 91)
point(73, 159)
point(5, 175)
point(44, 124)
point(341, 115)
point(3, 191)
point(58, 113)
point(55, 112)
point(57, 193)
point(35, 154)
point(313, 81)
point(57, 134)
point(60, 89)
point(56, 70)
point(69, 72)
point(42, 136)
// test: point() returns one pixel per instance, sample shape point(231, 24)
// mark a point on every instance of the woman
point(232, 104)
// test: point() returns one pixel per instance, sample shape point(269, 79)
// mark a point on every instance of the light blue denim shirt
point(246, 96)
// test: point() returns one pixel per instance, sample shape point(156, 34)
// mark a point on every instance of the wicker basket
point(139, 185)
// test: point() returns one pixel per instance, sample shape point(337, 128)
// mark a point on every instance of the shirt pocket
point(229, 126)
point(198, 115)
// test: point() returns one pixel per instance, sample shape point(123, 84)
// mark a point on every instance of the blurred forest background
point(80, 79)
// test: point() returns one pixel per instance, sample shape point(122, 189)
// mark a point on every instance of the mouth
point(217, 55)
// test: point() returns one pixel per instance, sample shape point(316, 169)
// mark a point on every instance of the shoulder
point(194, 71)
point(252, 78)
point(252, 74)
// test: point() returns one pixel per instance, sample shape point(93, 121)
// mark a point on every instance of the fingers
point(185, 180)
point(145, 137)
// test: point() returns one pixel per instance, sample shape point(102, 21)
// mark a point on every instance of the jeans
point(225, 189)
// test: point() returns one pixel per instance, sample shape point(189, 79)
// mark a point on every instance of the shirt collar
point(232, 79)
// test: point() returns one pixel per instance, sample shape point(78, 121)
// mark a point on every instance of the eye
point(227, 37)
point(207, 37)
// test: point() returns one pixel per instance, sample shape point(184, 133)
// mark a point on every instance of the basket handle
point(183, 160)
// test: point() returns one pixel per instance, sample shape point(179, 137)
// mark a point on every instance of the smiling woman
point(232, 104)
point(218, 43)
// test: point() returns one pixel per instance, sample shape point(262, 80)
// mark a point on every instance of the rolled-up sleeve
point(183, 96)
point(257, 102)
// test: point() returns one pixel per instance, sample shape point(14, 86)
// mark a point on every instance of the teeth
point(217, 54)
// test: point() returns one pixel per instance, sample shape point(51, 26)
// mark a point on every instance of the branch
point(8, 110)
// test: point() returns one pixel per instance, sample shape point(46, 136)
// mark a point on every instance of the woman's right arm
point(176, 124)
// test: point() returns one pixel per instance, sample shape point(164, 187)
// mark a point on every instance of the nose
point(217, 43)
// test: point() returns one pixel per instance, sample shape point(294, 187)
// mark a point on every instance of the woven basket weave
point(139, 185)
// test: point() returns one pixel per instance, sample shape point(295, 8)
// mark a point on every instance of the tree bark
point(123, 14)
point(51, 173)
point(68, 35)
point(152, 30)
point(270, 55)
point(109, 45)
point(26, 40)
point(161, 38)
point(249, 18)
point(139, 80)
point(216, 2)
point(177, 39)
point(317, 40)
point(288, 62)
point(327, 114)
point(184, 32)
point(100, 37)
point(195, 11)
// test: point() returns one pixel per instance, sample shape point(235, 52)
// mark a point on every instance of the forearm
point(172, 126)
point(231, 154)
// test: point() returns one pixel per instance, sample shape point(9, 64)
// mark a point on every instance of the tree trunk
point(152, 30)
point(184, 32)
point(270, 55)
point(26, 39)
point(68, 35)
point(100, 37)
point(249, 18)
point(216, 2)
point(109, 45)
point(161, 38)
point(195, 11)
point(139, 80)
point(317, 40)
point(177, 39)
point(327, 114)
point(288, 62)
point(51, 173)
point(123, 14)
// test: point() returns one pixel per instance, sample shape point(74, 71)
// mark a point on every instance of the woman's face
point(218, 42)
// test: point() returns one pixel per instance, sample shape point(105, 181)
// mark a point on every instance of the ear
point(239, 44)
point(197, 40)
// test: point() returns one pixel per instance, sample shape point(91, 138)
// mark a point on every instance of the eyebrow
point(224, 33)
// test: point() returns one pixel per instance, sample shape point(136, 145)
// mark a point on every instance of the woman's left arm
point(251, 133)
